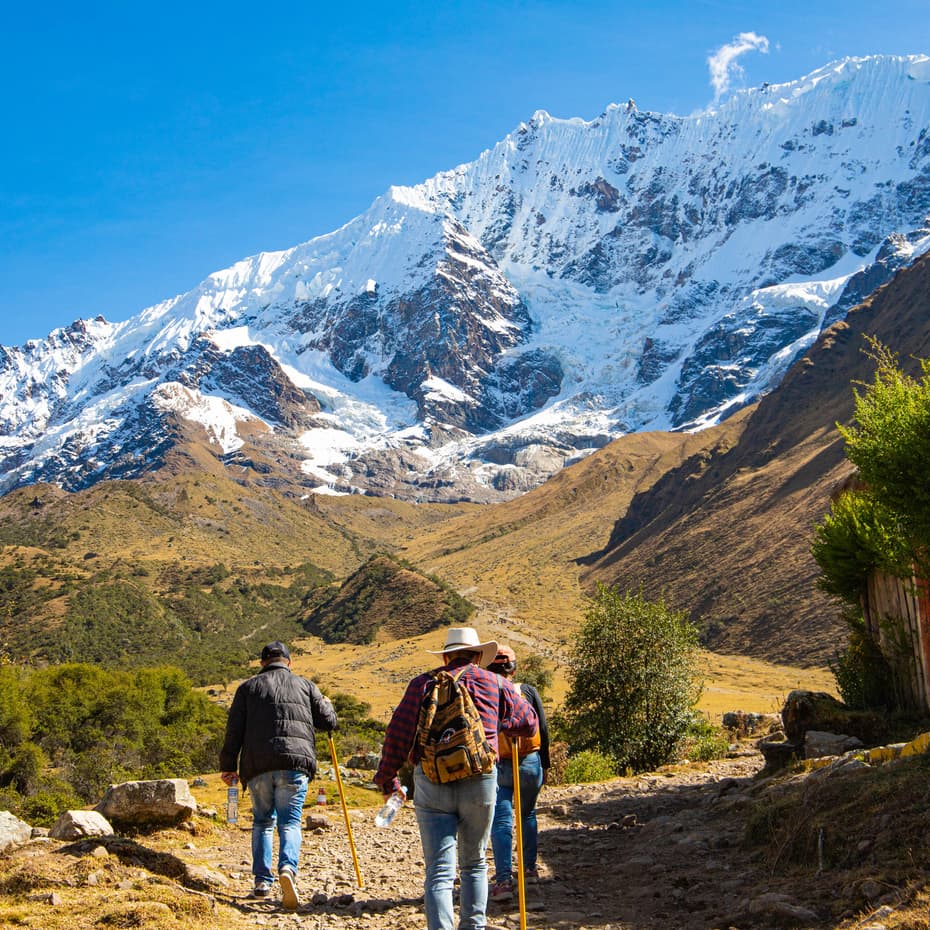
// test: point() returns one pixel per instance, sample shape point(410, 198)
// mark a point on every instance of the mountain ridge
point(468, 337)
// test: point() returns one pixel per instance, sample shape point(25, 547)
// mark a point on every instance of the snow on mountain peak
point(471, 333)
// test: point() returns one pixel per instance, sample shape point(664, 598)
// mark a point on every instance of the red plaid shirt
point(501, 708)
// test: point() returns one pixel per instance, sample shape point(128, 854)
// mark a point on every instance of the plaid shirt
point(497, 701)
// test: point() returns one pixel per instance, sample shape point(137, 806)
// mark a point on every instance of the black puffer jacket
point(272, 724)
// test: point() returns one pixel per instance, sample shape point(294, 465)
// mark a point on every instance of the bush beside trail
point(634, 681)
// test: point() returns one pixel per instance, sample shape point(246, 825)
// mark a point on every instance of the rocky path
point(643, 852)
point(662, 851)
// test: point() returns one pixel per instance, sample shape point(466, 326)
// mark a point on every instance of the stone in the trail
point(819, 743)
point(777, 753)
point(200, 876)
point(51, 898)
point(750, 724)
point(318, 822)
point(870, 890)
point(161, 802)
point(74, 825)
point(13, 831)
point(780, 905)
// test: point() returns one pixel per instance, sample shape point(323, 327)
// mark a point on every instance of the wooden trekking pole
point(518, 816)
point(345, 810)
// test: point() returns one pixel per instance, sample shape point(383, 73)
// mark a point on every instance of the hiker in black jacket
point(270, 731)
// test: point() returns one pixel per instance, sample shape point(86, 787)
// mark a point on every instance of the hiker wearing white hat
point(455, 793)
point(466, 637)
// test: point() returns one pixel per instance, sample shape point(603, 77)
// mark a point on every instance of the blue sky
point(147, 145)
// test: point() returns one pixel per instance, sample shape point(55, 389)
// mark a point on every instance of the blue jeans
point(531, 779)
point(277, 797)
point(455, 816)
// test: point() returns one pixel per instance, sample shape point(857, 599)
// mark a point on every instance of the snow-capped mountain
point(469, 336)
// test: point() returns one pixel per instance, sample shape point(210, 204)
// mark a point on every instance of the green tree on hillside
point(534, 670)
point(634, 680)
point(68, 731)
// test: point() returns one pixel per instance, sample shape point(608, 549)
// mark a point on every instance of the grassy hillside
point(521, 560)
point(385, 599)
point(188, 568)
point(203, 560)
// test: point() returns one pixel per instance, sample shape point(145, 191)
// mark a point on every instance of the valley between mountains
point(717, 523)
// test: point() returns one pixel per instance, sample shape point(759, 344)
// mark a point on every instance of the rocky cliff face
point(469, 336)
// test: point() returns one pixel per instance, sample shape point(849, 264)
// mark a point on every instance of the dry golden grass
point(753, 685)
point(520, 562)
point(378, 673)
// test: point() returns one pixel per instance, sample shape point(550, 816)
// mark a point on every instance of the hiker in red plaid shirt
point(456, 816)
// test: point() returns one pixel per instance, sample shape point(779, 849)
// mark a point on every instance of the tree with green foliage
point(889, 442)
point(858, 536)
point(883, 524)
point(68, 731)
point(534, 670)
point(358, 730)
point(634, 680)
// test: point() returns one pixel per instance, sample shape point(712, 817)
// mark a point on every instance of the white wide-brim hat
point(465, 637)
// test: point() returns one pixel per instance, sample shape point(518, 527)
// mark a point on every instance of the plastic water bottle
point(232, 803)
point(321, 798)
point(394, 803)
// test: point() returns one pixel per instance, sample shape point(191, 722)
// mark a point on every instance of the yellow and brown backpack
point(450, 736)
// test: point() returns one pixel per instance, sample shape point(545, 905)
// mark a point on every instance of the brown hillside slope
point(520, 560)
point(732, 544)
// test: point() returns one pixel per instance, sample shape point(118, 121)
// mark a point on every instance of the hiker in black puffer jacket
point(270, 733)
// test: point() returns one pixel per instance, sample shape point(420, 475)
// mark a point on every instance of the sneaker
point(531, 876)
point(289, 897)
point(502, 891)
point(261, 890)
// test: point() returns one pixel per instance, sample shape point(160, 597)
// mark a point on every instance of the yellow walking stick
point(345, 810)
point(518, 816)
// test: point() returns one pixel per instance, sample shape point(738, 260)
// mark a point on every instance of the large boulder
point(162, 802)
point(778, 753)
point(75, 825)
point(817, 710)
point(13, 831)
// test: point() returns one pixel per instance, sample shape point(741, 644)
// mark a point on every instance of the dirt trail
point(633, 853)
point(660, 851)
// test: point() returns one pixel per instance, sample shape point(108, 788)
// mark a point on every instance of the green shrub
point(44, 807)
point(703, 741)
point(856, 538)
point(881, 526)
point(863, 675)
point(535, 670)
point(633, 681)
point(589, 765)
point(888, 443)
point(357, 733)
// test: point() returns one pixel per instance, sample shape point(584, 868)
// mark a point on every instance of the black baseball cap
point(275, 650)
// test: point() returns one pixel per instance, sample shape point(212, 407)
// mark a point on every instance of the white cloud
point(723, 65)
